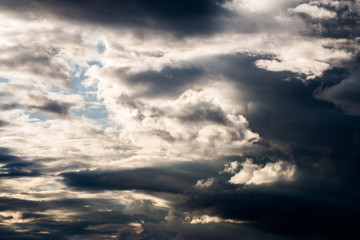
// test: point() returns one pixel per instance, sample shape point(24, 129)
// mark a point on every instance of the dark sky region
point(183, 120)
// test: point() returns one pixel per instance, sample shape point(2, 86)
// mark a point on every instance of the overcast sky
point(182, 119)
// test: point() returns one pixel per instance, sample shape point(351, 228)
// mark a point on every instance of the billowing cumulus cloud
point(209, 119)
point(254, 174)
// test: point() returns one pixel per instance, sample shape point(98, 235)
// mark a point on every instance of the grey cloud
point(15, 166)
point(88, 222)
point(21, 169)
point(288, 113)
point(3, 123)
point(321, 141)
point(169, 81)
point(146, 210)
point(282, 109)
point(174, 179)
point(324, 143)
point(201, 112)
point(62, 109)
point(290, 210)
point(43, 104)
point(344, 94)
point(163, 134)
point(51, 106)
point(128, 233)
point(180, 17)
point(35, 62)
point(212, 231)
point(7, 156)
point(9, 106)
point(86, 215)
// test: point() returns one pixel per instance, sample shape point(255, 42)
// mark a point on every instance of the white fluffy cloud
point(261, 6)
point(314, 11)
point(306, 56)
point(252, 173)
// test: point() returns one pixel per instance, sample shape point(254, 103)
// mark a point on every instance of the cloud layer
point(208, 119)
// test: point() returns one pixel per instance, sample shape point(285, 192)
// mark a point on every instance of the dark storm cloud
point(308, 208)
point(323, 142)
point(320, 139)
point(89, 222)
point(6, 156)
point(15, 166)
point(212, 231)
point(179, 17)
point(281, 108)
point(344, 94)
point(176, 178)
point(309, 120)
point(287, 112)
point(20, 169)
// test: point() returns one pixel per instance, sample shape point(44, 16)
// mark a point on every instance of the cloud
point(64, 138)
point(179, 17)
point(26, 63)
point(272, 172)
point(231, 167)
point(169, 119)
point(3, 123)
point(55, 106)
point(62, 109)
point(314, 11)
point(205, 219)
point(168, 81)
point(331, 19)
point(176, 179)
point(271, 209)
point(308, 57)
point(204, 183)
point(14, 166)
point(51, 218)
point(20, 169)
point(146, 210)
point(344, 94)
point(198, 122)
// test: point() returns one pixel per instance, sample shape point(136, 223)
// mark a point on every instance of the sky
point(182, 119)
